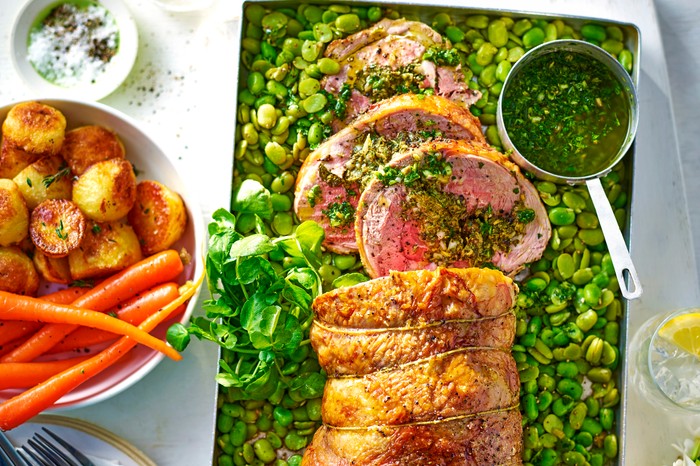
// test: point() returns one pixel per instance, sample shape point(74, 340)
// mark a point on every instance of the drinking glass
point(666, 375)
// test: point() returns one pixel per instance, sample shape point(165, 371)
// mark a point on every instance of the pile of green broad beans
point(569, 309)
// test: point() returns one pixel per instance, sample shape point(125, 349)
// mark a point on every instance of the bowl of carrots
point(104, 241)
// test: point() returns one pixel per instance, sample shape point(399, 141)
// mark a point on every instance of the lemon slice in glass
point(684, 332)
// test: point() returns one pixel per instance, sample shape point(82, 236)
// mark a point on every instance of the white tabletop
point(182, 90)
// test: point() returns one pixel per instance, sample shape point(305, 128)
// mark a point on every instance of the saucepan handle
point(615, 241)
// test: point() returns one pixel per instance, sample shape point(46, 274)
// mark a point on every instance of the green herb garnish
point(258, 313)
point(50, 179)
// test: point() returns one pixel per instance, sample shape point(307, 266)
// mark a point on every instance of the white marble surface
point(679, 21)
point(182, 88)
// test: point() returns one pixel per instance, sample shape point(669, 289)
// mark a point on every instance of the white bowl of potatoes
point(85, 193)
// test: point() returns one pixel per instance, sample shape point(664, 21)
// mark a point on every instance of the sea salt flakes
point(74, 45)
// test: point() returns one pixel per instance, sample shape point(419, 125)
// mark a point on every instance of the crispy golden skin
point(57, 227)
point(420, 371)
point(30, 130)
point(106, 248)
point(464, 381)
point(14, 215)
point(485, 440)
point(413, 298)
point(344, 351)
point(158, 217)
point(106, 191)
point(52, 269)
point(88, 145)
point(17, 273)
point(47, 178)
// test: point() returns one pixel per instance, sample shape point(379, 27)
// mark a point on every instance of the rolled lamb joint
point(419, 370)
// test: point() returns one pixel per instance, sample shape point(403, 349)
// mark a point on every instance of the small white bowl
point(115, 72)
point(151, 163)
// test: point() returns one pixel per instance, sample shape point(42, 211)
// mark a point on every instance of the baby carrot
point(28, 374)
point(31, 402)
point(134, 311)
point(12, 329)
point(121, 286)
point(19, 307)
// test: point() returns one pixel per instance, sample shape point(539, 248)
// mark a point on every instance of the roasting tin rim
point(423, 10)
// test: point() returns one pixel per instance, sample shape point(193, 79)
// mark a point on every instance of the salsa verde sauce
point(566, 113)
point(72, 43)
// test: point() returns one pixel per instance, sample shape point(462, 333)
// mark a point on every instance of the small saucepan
point(568, 114)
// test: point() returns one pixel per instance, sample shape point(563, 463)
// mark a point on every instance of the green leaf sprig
point(260, 313)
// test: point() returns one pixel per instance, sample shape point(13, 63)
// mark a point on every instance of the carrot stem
point(31, 402)
point(121, 286)
point(19, 307)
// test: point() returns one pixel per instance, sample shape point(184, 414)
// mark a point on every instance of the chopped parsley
point(313, 195)
point(340, 214)
point(442, 56)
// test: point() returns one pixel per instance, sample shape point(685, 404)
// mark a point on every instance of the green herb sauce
point(566, 113)
point(451, 232)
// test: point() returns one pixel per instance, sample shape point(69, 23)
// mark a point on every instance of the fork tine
point(28, 457)
point(53, 448)
point(47, 455)
point(82, 459)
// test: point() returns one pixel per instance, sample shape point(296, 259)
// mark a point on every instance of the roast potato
point(158, 217)
point(88, 145)
point(30, 130)
point(14, 215)
point(106, 191)
point(106, 248)
point(17, 272)
point(52, 269)
point(47, 178)
point(57, 227)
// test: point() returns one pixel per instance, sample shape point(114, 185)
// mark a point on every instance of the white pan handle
point(616, 243)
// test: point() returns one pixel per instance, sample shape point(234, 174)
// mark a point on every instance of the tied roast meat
point(409, 382)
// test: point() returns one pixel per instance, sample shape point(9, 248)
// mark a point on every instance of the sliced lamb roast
point(333, 176)
point(394, 56)
point(450, 203)
point(484, 439)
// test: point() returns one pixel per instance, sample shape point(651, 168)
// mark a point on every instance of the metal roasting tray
point(425, 12)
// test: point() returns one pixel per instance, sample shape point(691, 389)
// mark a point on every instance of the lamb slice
point(344, 351)
point(464, 206)
point(334, 175)
point(485, 439)
point(461, 382)
point(418, 297)
point(392, 50)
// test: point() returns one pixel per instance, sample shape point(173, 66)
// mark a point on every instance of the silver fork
point(42, 451)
